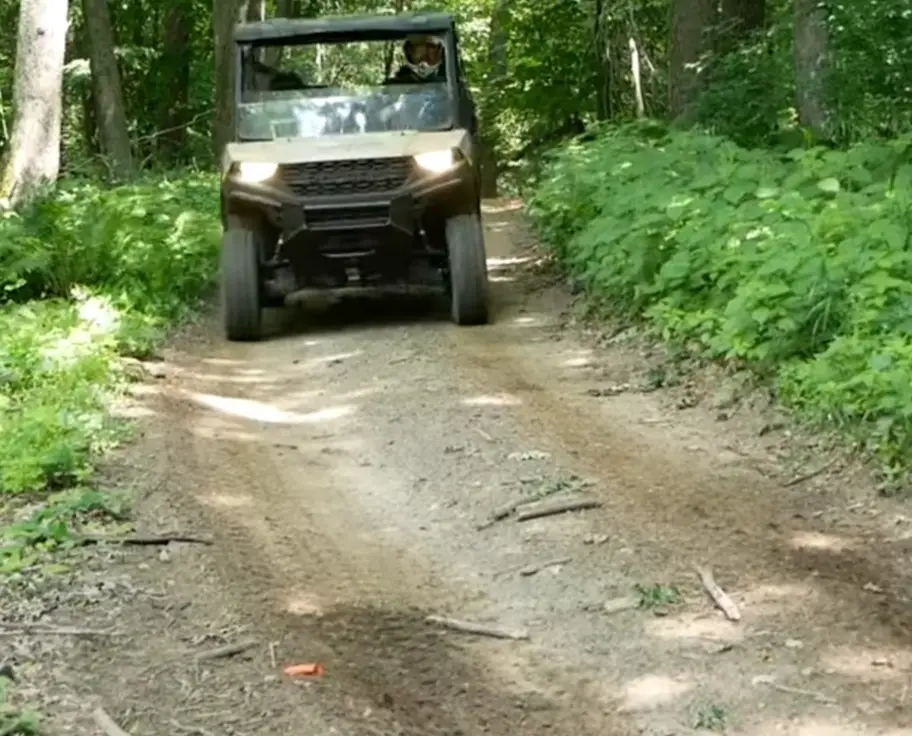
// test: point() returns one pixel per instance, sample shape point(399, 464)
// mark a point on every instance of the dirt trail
point(343, 468)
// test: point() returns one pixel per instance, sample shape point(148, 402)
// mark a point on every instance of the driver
point(423, 60)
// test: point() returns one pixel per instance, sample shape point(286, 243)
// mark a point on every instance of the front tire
point(242, 312)
point(468, 270)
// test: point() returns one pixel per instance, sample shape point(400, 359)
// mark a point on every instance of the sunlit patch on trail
point(225, 500)
point(257, 411)
point(531, 321)
point(579, 359)
point(239, 378)
point(303, 604)
point(497, 206)
point(652, 691)
point(492, 400)
point(497, 264)
point(818, 540)
point(221, 361)
point(695, 627)
point(496, 279)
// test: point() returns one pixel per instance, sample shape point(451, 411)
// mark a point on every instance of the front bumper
point(398, 212)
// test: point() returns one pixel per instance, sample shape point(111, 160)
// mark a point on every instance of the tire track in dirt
point(300, 559)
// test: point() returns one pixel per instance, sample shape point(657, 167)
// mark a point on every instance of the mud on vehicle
point(347, 175)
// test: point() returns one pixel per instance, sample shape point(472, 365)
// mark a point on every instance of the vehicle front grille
point(366, 216)
point(363, 176)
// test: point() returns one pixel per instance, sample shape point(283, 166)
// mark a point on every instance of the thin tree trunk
point(34, 152)
point(811, 65)
point(225, 14)
point(690, 21)
point(498, 64)
point(109, 100)
point(602, 46)
point(175, 68)
point(284, 9)
point(637, 78)
point(739, 18)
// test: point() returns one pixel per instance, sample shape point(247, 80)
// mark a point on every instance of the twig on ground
point(530, 570)
point(273, 660)
point(557, 507)
point(229, 650)
point(719, 596)
point(484, 435)
point(107, 724)
point(142, 541)
point(770, 682)
point(798, 480)
point(198, 730)
point(469, 627)
point(42, 630)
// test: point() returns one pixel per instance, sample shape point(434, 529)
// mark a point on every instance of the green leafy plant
point(90, 274)
point(796, 265)
point(14, 721)
point(49, 527)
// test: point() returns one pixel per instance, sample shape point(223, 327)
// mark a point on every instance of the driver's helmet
point(423, 55)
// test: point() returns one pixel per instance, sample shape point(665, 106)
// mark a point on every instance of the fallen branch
point(142, 541)
point(484, 435)
point(469, 627)
point(500, 514)
point(625, 603)
point(229, 650)
point(557, 507)
point(530, 570)
point(808, 476)
point(40, 629)
point(719, 596)
point(107, 724)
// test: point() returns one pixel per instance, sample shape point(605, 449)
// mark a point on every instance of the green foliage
point(119, 266)
point(13, 721)
point(797, 264)
point(48, 528)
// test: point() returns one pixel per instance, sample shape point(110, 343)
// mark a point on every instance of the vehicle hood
point(345, 147)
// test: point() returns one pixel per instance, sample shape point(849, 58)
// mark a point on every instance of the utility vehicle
point(341, 177)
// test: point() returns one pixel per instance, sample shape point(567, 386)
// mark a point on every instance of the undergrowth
point(796, 264)
point(87, 276)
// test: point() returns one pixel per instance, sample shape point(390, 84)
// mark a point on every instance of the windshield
point(314, 90)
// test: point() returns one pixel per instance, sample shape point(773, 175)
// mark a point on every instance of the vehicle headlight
point(436, 161)
point(256, 171)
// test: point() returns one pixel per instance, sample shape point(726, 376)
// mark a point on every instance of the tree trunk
point(744, 16)
point(690, 21)
point(811, 65)
point(497, 61)
point(637, 78)
point(109, 101)
point(284, 9)
point(225, 14)
point(740, 18)
point(255, 11)
point(34, 151)
point(175, 83)
point(289, 8)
